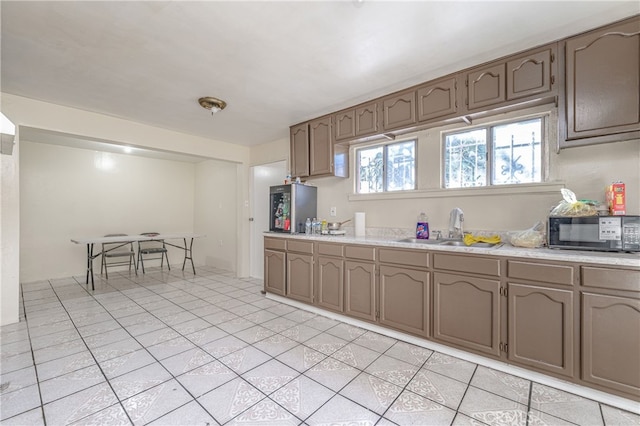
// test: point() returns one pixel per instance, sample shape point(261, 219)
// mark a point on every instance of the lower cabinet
point(540, 323)
point(300, 277)
point(466, 312)
point(330, 283)
point(275, 272)
point(360, 289)
point(405, 299)
point(611, 342)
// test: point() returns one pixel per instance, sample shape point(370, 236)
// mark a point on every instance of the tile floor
point(178, 349)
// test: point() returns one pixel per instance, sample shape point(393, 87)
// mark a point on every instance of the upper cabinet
point(515, 79)
point(437, 99)
point(366, 120)
point(399, 110)
point(312, 150)
point(345, 125)
point(299, 150)
point(602, 90)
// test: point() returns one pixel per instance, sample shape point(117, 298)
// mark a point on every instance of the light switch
point(332, 212)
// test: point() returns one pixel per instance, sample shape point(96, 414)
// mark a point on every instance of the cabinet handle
point(501, 347)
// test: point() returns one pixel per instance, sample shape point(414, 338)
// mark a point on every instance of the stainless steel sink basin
point(455, 243)
point(419, 241)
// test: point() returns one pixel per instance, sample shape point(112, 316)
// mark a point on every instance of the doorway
point(262, 177)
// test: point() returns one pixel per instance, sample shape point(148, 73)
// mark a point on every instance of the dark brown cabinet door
point(466, 312)
point(274, 272)
point(367, 120)
point(541, 328)
point(486, 86)
point(320, 147)
point(405, 299)
point(300, 150)
point(611, 342)
point(360, 290)
point(437, 99)
point(603, 82)
point(345, 125)
point(531, 74)
point(300, 277)
point(399, 111)
point(330, 283)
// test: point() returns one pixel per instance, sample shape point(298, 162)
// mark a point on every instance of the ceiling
point(275, 63)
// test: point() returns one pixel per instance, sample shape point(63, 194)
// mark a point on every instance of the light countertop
point(582, 256)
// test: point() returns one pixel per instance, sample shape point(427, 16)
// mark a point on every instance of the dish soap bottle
point(422, 228)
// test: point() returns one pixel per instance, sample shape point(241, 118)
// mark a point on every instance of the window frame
point(385, 147)
point(488, 127)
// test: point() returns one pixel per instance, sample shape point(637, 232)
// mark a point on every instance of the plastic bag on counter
point(530, 238)
point(570, 206)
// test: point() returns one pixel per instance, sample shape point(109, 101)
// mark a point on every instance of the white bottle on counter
point(307, 227)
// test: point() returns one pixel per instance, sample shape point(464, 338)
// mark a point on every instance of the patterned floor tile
point(206, 378)
point(114, 350)
point(374, 341)
point(438, 388)
point(340, 410)
point(79, 405)
point(136, 381)
point(279, 324)
point(446, 365)
point(265, 412)
point(254, 334)
point(302, 396)
point(565, 405)
point(493, 409)
point(235, 325)
point(54, 339)
point(157, 336)
point(131, 361)
point(18, 379)
point(371, 392)
point(301, 358)
point(615, 416)
point(69, 383)
point(502, 384)
point(326, 343)
point(186, 361)
point(300, 333)
point(191, 414)
point(16, 362)
point(156, 402)
point(32, 418)
point(347, 332)
point(170, 347)
point(332, 373)
point(205, 335)
point(64, 365)
point(412, 409)
point(114, 415)
point(230, 400)
point(270, 376)
point(225, 346)
point(392, 370)
point(19, 401)
point(407, 352)
point(245, 359)
point(275, 345)
point(356, 356)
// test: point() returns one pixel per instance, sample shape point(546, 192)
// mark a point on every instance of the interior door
point(262, 177)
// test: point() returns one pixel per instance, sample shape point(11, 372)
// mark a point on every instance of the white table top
point(127, 238)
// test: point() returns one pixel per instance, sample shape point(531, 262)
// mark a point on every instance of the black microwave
point(603, 233)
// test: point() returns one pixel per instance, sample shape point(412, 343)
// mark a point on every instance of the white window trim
point(354, 164)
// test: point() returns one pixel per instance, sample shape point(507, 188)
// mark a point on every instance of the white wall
point(585, 170)
point(9, 235)
point(216, 213)
point(70, 192)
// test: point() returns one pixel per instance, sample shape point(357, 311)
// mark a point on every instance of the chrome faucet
point(456, 218)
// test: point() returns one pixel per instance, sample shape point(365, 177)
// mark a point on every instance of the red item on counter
point(615, 196)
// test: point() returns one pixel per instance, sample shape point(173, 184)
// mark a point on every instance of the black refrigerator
point(290, 206)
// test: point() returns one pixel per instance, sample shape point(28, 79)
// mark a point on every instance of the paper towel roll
point(358, 221)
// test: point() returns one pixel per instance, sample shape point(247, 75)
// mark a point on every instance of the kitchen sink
point(455, 243)
point(419, 241)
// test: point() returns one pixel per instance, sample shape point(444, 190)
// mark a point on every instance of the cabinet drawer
point(275, 243)
point(330, 249)
point(418, 258)
point(360, 252)
point(620, 279)
point(555, 274)
point(300, 246)
point(476, 265)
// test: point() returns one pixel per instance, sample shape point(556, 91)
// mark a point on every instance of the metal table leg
point(188, 254)
point(90, 258)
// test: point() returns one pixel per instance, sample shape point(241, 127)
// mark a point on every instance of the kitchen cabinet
point(300, 270)
point(360, 282)
point(532, 73)
point(486, 86)
point(467, 312)
point(437, 100)
point(329, 281)
point(611, 342)
point(345, 125)
point(275, 266)
point(366, 120)
point(405, 299)
point(399, 111)
point(602, 89)
point(299, 156)
point(541, 328)
point(611, 329)
point(313, 152)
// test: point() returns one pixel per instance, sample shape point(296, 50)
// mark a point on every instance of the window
point(502, 154)
point(389, 167)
